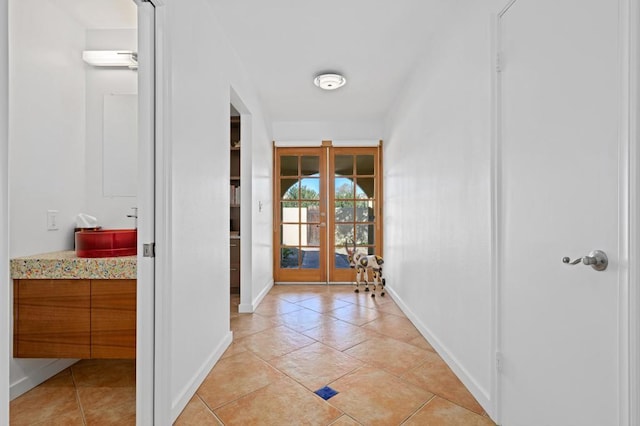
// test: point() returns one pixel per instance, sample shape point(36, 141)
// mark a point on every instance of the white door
point(559, 123)
point(146, 213)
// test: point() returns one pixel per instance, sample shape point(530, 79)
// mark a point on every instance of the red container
point(107, 243)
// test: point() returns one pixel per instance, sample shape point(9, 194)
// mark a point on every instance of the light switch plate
point(52, 220)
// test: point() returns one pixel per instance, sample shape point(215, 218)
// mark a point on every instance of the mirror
point(120, 145)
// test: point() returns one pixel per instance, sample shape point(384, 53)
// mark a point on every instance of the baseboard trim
point(245, 308)
point(480, 394)
point(187, 393)
point(38, 376)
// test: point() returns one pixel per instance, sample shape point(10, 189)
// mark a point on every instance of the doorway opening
point(85, 112)
point(234, 201)
point(328, 200)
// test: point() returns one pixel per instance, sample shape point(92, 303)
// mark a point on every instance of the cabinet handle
point(234, 269)
point(233, 245)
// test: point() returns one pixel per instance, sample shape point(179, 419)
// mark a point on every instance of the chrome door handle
point(597, 259)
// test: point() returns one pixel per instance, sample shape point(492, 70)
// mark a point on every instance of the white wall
point(110, 211)
point(46, 141)
point(202, 72)
point(327, 130)
point(46, 122)
point(5, 290)
point(438, 199)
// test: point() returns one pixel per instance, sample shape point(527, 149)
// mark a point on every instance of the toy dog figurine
point(363, 263)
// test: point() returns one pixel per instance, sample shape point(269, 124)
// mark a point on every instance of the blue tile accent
point(326, 392)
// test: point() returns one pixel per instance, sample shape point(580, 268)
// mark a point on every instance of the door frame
point(629, 212)
point(149, 141)
point(153, 398)
point(327, 146)
point(631, 33)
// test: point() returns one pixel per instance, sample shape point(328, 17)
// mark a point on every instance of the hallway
point(303, 338)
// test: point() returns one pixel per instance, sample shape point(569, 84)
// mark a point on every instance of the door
point(354, 204)
point(301, 210)
point(147, 172)
point(559, 113)
point(327, 200)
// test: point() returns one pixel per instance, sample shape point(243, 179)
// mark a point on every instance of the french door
point(327, 199)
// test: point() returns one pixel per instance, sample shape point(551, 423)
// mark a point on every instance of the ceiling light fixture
point(329, 81)
point(111, 58)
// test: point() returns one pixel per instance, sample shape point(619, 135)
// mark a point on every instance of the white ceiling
point(375, 44)
point(283, 44)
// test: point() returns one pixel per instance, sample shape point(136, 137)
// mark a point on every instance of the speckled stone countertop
point(66, 265)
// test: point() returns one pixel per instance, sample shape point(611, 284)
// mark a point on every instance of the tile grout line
point(206, 406)
point(213, 410)
point(418, 409)
point(75, 386)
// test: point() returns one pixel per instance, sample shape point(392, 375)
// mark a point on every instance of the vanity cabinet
point(74, 318)
point(52, 318)
point(113, 319)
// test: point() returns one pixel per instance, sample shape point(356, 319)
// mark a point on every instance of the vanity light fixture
point(111, 58)
point(329, 81)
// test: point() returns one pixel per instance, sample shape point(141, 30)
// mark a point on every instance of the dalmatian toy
point(363, 263)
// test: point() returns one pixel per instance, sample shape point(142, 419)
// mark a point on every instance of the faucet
point(135, 216)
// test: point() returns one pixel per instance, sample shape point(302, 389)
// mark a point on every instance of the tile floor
point(90, 392)
point(300, 339)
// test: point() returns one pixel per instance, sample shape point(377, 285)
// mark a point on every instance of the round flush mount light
point(329, 81)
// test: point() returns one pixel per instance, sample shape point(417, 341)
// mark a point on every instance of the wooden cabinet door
point(234, 246)
point(113, 319)
point(53, 319)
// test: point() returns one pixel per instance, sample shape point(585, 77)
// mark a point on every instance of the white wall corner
point(187, 393)
point(249, 308)
point(39, 375)
point(479, 393)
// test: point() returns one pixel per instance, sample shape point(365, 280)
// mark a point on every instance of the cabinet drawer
point(234, 247)
point(53, 319)
point(234, 281)
point(113, 319)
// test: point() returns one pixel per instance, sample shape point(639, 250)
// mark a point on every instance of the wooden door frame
point(327, 148)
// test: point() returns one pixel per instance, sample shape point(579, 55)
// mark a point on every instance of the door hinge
point(499, 362)
point(498, 62)
point(149, 250)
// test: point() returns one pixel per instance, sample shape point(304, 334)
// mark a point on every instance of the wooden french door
point(300, 213)
point(327, 198)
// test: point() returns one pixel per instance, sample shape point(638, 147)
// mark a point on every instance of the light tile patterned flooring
point(300, 339)
point(90, 392)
